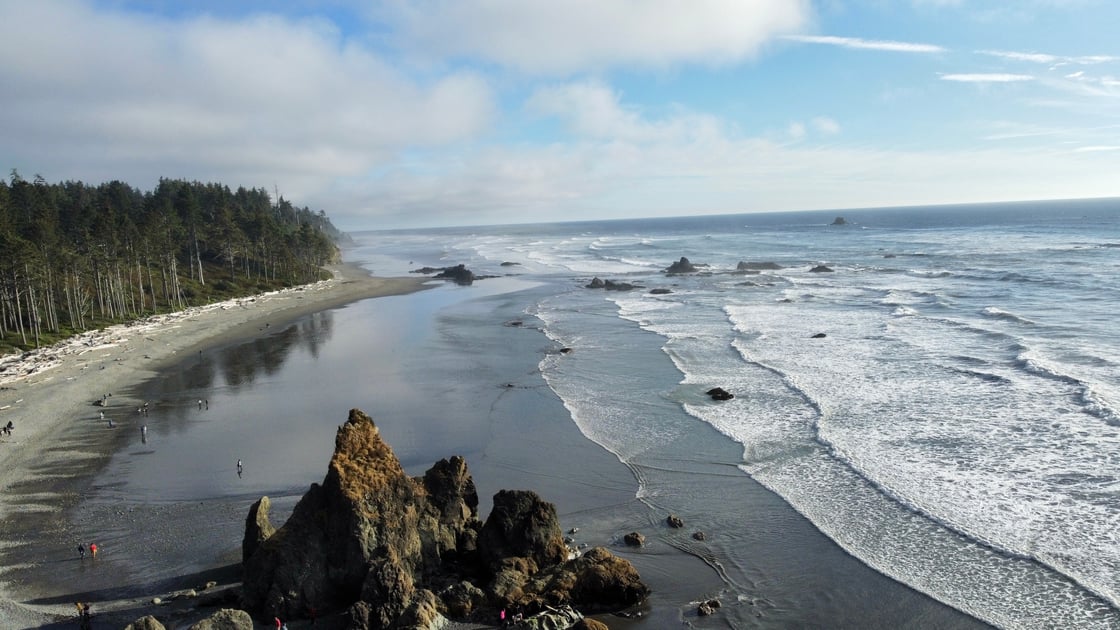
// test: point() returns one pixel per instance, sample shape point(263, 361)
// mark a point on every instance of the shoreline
point(43, 392)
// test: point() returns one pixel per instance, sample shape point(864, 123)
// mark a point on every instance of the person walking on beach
point(93, 550)
point(239, 468)
point(81, 551)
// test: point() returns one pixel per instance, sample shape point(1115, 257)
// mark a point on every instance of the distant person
point(239, 468)
point(200, 403)
point(82, 556)
point(93, 550)
point(207, 401)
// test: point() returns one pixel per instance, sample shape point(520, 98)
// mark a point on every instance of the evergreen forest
point(76, 257)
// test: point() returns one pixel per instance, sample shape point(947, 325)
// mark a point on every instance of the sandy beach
point(43, 393)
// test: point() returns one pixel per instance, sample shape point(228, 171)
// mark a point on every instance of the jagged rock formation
point(400, 552)
point(459, 274)
point(681, 266)
point(821, 269)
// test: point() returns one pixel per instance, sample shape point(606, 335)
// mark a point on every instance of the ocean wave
point(999, 313)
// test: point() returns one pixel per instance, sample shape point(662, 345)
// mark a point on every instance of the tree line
point(74, 257)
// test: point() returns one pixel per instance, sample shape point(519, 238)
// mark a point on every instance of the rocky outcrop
point(719, 393)
point(257, 527)
point(226, 619)
point(590, 624)
point(821, 269)
point(634, 539)
point(145, 623)
point(660, 291)
point(674, 521)
point(681, 266)
point(459, 274)
point(609, 285)
point(401, 552)
point(839, 221)
point(708, 608)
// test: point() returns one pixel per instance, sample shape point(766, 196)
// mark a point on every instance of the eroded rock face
point(257, 527)
point(399, 552)
point(521, 525)
point(226, 619)
point(369, 528)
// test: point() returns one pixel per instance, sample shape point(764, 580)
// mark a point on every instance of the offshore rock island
point(392, 551)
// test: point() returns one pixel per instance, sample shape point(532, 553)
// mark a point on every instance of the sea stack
point(383, 547)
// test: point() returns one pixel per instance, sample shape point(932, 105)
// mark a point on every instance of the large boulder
point(226, 619)
point(145, 623)
point(257, 527)
point(521, 524)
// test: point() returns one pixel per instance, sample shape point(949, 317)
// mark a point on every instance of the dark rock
point(145, 623)
point(609, 285)
point(660, 291)
point(888, 256)
point(521, 525)
point(590, 624)
point(634, 539)
point(701, 536)
point(821, 269)
point(459, 274)
point(719, 393)
point(681, 266)
point(708, 608)
point(597, 581)
point(757, 266)
point(510, 264)
point(839, 221)
point(427, 271)
point(462, 599)
point(818, 336)
point(674, 521)
point(566, 350)
point(257, 528)
point(226, 619)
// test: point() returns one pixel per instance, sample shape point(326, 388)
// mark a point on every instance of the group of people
point(82, 550)
point(84, 622)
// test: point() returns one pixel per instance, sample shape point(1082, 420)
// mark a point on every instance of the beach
point(49, 396)
point(446, 371)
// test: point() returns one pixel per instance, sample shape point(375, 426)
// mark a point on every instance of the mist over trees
point(75, 257)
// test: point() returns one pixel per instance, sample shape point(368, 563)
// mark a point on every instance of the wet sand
point(50, 396)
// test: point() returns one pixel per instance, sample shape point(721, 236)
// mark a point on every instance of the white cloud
point(1048, 59)
point(796, 130)
point(826, 125)
point(1097, 148)
point(867, 44)
point(987, 77)
point(103, 95)
point(550, 37)
point(592, 109)
point(1021, 56)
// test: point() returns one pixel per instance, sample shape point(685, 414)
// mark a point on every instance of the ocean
point(943, 402)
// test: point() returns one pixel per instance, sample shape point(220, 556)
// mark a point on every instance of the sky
point(422, 113)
